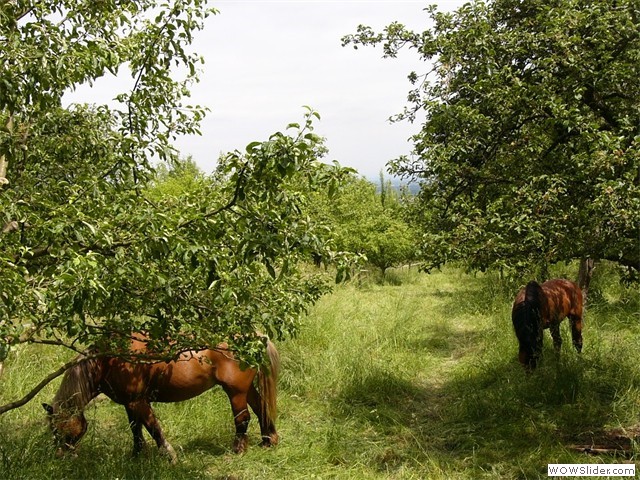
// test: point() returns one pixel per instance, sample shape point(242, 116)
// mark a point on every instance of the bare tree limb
point(48, 379)
point(236, 194)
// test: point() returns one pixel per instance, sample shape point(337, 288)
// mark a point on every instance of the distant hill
point(396, 184)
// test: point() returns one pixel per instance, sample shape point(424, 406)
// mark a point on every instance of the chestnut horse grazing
point(537, 307)
point(135, 385)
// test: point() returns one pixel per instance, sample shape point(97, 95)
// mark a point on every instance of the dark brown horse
point(135, 385)
point(537, 307)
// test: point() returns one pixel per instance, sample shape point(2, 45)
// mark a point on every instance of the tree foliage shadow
point(215, 446)
point(492, 413)
point(486, 410)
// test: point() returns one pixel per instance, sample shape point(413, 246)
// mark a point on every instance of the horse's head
point(67, 427)
point(528, 359)
point(526, 322)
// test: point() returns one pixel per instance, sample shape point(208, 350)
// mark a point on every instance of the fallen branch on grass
point(601, 450)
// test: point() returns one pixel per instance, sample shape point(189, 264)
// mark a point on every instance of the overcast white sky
point(266, 59)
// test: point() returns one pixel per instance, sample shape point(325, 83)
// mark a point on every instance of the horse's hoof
point(63, 454)
point(240, 444)
point(141, 449)
point(170, 453)
point(270, 440)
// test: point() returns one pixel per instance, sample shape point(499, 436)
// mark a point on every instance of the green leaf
point(253, 146)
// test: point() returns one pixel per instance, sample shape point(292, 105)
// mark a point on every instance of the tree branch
point(36, 253)
point(48, 379)
point(231, 203)
point(592, 450)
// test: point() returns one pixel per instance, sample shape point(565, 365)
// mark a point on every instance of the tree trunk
point(3, 170)
point(584, 276)
point(3, 158)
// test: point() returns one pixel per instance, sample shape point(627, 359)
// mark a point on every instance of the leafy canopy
point(91, 248)
point(529, 152)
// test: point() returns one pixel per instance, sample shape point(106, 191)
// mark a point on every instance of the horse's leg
point(144, 413)
point(267, 427)
point(554, 327)
point(241, 417)
point(576, 331)
point(136, 429)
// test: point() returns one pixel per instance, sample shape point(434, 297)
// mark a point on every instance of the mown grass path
point(414, 380)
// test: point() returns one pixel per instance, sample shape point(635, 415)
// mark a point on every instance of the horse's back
point(560, 283)
point(191, 374)
point(564, 298)
point(531, 294)
point(560, 298)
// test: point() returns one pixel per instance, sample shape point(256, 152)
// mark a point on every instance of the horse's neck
point(79, 386)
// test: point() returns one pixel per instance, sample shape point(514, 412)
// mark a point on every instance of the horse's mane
point(78, 386)
point(527, 317)
point(533, 294)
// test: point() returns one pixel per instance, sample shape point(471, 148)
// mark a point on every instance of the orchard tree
point(368, 223)
point(529, 151)
point(173, 180)
point(90, 251)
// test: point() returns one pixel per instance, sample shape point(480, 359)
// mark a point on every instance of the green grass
point(414, 378)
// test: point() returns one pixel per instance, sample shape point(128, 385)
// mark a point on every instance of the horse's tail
point(267, 382)
point(527, 322)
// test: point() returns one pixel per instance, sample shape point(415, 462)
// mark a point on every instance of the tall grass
point(412, 378)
